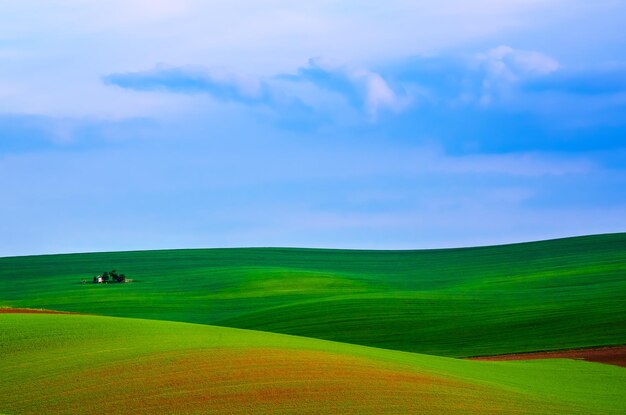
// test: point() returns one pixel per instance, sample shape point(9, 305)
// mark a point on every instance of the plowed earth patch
point(30, 311)
point(270, 381)
point(615, 355)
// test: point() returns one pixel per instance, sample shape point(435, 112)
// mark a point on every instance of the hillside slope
point(69, 364)
point(548, 295)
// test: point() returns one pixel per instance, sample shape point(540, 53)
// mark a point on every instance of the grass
point(547, 295)
point(92, 364)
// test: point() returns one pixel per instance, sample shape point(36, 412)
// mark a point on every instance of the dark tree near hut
point(117, 277)
point(105, 277)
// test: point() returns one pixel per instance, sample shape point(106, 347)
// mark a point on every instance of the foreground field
point(55, 363)
point(549, 295)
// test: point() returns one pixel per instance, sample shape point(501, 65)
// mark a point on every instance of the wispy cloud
point(512, 64)
point(496, 77)
point(363, 88)
point(505, 66)
point(495, 100)
point(221, 84)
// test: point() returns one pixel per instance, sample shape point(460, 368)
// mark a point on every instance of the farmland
point(549, 295)
point(275, 330)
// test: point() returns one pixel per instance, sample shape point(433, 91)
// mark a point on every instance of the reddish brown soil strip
point(31, 311)
point(612, 355)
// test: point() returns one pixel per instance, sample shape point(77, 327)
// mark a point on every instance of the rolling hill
point(68, 364)
point(546, 295)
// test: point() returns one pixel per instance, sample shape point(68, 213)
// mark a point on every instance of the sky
point(154, 124)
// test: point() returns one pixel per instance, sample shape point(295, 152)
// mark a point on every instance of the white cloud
point(505, 66)
point(77, 41)
point(512, 64)
point(379, 95)
point(362, 88)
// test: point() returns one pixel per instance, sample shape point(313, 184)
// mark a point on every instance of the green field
point(101, 365)
point(453, 302)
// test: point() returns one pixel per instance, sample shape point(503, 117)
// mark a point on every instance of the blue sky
point(144, 124)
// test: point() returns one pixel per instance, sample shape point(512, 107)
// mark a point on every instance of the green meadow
point(92, 364)
point(548, 295)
